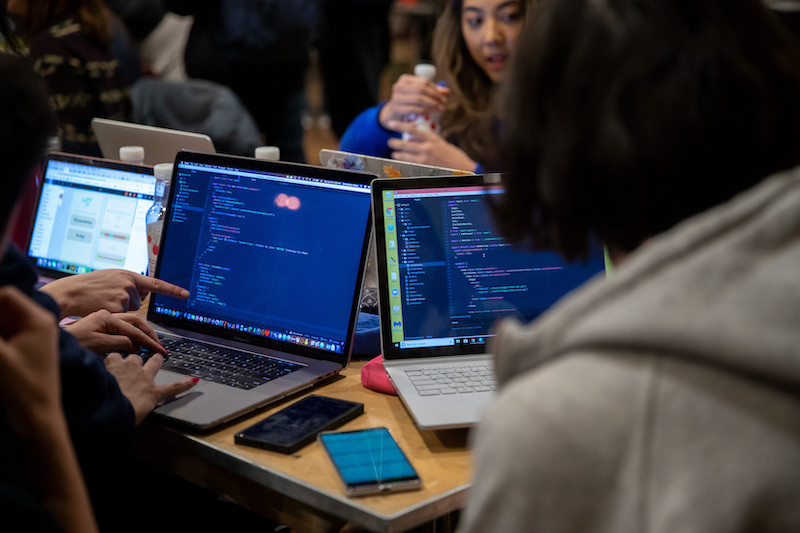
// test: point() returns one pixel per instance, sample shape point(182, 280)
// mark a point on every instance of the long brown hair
point(92, 16)
point(469, 117)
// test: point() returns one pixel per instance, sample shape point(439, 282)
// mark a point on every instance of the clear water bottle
point(429, 122)
point(157, 212)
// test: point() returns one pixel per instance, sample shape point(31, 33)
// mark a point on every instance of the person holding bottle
point(472, 45)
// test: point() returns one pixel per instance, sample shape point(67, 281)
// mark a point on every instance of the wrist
point(61, 297)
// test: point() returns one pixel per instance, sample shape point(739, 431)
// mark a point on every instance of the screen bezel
point(260, 165)
point(379, 186)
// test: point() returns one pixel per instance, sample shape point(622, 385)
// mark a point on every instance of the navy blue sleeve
point(98, 414)
point(365, 135)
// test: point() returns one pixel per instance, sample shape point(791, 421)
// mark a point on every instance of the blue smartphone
point(369, 461)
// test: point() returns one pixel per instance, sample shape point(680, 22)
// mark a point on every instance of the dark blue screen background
point(255, 260)
point(458, 276)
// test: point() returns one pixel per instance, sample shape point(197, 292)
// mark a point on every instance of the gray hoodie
point(663, 399)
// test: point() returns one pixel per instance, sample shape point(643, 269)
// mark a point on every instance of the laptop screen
point(448, 274)
point(91, 215)
point(268, 250)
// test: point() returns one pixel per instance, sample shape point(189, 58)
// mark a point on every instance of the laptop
point(90, 215)
point(160, 144)
point(445, 276)
point(382, 167)
point(273, 255)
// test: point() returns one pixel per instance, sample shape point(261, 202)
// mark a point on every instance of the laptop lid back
point(380, 166)
point(90, 215)
point(160, 144)
point(446, 275)
point(273, 253)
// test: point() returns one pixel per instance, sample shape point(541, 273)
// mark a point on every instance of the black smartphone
point(369, 461)
point(297, 425)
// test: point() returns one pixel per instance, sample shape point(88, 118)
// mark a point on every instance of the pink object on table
point(373, 376)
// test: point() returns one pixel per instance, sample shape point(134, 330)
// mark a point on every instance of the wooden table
point(302, 490)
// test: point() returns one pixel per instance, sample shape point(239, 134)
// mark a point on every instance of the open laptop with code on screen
point(90, 215)
point(273, 255)
point(445, 276)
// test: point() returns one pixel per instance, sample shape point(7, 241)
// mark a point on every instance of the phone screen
point(295, 426)
point(370, 461)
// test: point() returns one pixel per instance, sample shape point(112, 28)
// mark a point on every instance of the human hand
point(412, 94)
point(104, 332)
point(30, 389)
point(137, 382)
point(427, 148)
point(115, 290)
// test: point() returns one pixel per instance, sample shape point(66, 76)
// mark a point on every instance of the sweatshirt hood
point(721, 288)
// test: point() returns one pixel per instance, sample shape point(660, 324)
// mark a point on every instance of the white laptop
point(160, 144)
point(273, 255)
point(90, 215)
point(445, 276)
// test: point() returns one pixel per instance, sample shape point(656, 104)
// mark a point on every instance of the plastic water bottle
point(429, 122)
point(157, 212)
point(270, 153)
point(132, 154)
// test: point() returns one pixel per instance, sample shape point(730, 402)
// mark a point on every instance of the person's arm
point(30, 395)
point(428, 148)
point(365, 135)
point(370, 131)
point(552, 456)
point(115, 290)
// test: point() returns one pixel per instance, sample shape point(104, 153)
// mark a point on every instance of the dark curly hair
point(624, 117)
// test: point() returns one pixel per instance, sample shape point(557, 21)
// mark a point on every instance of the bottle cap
point(163, 171)
point(425, 70)
point(272, 153)
point(134, 154)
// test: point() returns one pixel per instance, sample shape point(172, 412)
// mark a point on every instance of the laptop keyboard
point(228, 366)
point(453, 379)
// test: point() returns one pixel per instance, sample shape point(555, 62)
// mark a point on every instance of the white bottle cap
point(163, 171)
point(272, 153)
point(425, 70)
point(133, 154)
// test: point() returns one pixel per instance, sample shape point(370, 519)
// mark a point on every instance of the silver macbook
point(445, 276)
point(273, 255)
point(160, 144)
point(90, 215)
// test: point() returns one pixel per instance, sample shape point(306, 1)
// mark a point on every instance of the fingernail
point(185, 293)
point(195, 379)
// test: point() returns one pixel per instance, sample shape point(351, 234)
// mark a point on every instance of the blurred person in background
point(472, 46)
point(71, 45)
